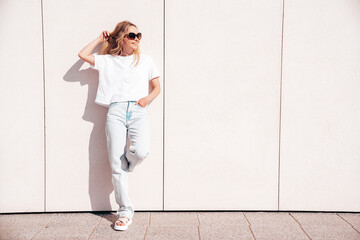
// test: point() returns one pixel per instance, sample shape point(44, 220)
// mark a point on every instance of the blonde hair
point(113, 45)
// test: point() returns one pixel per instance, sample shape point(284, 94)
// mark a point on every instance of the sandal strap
point(124, 220)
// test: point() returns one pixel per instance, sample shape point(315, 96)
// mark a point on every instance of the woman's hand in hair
point(104, 36)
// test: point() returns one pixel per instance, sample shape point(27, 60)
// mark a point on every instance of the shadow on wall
point(100, 184)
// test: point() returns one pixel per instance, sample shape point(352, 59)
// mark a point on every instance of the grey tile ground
point(326, 226)
point(182, 225)
point(275, 232)
point(70, 226)
point(173, 232)
point(223, 231)
point(274, 225)
point(173, 225)
point(173, 218)
point(22, 226)
point(134, 232)
point(228, 225)
point(222, 218)
point(352, 219)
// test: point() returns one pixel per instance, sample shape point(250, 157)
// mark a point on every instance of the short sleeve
point(153, 72)
point(99, 61)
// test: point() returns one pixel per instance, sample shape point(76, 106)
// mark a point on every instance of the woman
point(124, 76)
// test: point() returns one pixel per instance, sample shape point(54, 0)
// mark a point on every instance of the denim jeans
point(126, 118)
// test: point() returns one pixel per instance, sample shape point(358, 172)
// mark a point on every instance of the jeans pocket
point(142, 109)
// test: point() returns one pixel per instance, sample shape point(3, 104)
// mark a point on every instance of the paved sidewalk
point(182, 226)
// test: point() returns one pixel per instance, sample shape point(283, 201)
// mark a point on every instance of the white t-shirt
point(120, 80)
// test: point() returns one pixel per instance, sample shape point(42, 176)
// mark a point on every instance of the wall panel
point(78, 169)
point(222, 104)
point(320, 133)
point(22, 107)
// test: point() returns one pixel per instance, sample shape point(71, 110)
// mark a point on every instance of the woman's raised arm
point(85, 53)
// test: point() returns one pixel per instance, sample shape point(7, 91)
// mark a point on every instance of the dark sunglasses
point(132, 36)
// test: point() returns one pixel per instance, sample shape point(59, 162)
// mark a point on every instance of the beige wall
point(222, 105)
point(257, 111)
point(320, 139)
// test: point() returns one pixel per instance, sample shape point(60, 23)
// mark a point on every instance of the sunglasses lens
point(133, 35)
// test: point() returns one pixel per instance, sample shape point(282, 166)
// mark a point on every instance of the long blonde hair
point(113, 45)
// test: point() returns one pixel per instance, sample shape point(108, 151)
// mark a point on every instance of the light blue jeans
point(122, 119)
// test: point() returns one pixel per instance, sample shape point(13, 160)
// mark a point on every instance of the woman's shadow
point(100, 183)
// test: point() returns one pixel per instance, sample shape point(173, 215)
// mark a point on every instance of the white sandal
point(125, 220)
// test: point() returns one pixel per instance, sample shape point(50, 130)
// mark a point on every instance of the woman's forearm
point(154, 93)
point(87, 50)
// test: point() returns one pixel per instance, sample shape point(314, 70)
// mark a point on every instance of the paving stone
point(278, 232)
point(222, 218)
point(70, 226)
point(274, 218)
point(63, 233)
point(228, 232)
point(22, 226)
point(173, 218)
point(318, 219)
point(352, 218)
point(329, 233)
point(172, 233)
point(134, 232)
point(274, 225)
point(325, 226)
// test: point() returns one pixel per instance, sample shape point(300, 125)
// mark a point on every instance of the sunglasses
point(132, 36)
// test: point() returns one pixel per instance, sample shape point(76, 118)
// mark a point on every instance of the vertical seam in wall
point(43, 58)
point(163, 95)
point(281, 70)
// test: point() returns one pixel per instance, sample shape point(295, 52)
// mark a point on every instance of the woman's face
point(131, 44)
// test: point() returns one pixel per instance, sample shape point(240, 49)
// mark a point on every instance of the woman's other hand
point(104, 36)
point(142, 102)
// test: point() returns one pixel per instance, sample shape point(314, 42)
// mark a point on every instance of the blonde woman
point(124, 77)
